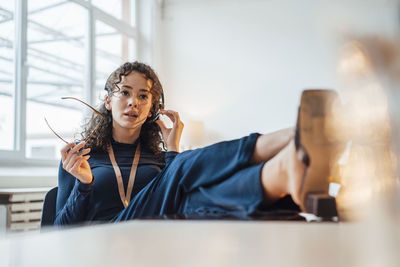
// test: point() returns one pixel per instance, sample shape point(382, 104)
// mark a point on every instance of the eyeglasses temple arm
point(54, 131)
point(92, 108)
point(95, 129)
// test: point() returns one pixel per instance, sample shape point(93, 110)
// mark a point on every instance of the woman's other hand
point(172, 136)
point(77, 163)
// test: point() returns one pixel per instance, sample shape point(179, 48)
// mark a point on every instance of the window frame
point(17, 156)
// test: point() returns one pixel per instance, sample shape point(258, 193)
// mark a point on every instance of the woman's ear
point(149, 115)
point(107, 102)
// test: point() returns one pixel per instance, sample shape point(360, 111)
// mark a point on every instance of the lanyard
point(125, 198)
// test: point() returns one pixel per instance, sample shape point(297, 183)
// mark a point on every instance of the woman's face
point(130, 106)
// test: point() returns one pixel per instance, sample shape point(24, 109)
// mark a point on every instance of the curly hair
point(150, 134)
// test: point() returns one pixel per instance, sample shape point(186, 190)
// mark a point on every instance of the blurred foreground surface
point(208, 243)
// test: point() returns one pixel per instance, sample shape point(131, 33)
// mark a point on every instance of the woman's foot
point(284, 174)
point(303, 166)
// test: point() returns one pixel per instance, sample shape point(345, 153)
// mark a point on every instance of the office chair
point(49, 208)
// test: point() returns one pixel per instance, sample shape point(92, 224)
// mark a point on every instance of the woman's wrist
point(173, 148)
point(85, 181)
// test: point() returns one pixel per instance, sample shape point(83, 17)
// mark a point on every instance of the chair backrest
point(49, 208)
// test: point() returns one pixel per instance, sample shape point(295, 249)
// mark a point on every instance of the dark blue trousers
point(215, 179)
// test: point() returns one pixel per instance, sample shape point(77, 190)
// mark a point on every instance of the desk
point(204, 243)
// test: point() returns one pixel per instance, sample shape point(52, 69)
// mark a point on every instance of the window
point(112, 49)
point(7, 27)
point(56, 68)
point(50, 49)
point(113, 7)
point(120, 9)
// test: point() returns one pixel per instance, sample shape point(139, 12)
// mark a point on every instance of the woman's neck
point(129, 136)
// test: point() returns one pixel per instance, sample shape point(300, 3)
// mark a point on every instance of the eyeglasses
point(92, 108)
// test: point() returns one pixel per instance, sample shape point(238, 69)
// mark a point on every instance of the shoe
point(317, 143)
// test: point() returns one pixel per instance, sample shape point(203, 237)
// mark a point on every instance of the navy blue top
point(100, 200)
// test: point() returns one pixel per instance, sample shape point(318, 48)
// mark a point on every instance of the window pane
point(112, 7)
point(112, 49)
point(56, 58)
point(121, 9)
point(6, 75)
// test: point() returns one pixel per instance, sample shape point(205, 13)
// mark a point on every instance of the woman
point(121, 173)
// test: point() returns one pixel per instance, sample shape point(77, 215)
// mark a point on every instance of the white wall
point(240, 65)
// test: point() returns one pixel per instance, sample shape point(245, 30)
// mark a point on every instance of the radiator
point(21, 208)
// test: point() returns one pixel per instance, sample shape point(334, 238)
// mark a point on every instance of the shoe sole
point(319, 138)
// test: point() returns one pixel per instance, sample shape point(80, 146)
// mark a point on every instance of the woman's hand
point(77, 164)
point(172, 136)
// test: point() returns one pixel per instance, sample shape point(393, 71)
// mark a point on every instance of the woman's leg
point(268, 145)
point(240, 195)
point(199, 171)
point(190, 170)
point(283, 172)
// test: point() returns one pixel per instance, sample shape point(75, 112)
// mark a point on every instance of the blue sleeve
point(169, 156)
point(66, 182)
point(75, 208)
